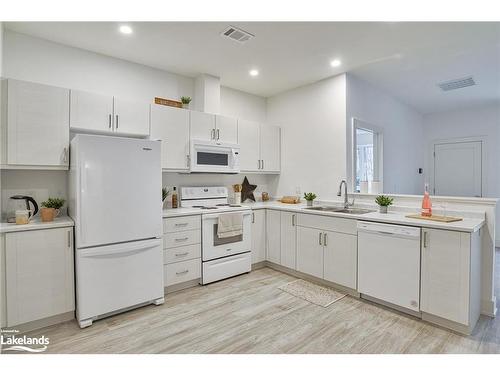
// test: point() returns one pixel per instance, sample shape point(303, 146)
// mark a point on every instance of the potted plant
point(309, 197)
point(383, 201)
point(50, 208)
point(185, 101)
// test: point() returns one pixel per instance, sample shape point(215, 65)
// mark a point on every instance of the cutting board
point(442, 219)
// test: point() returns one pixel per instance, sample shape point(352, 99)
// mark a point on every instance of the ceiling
point(403, 58)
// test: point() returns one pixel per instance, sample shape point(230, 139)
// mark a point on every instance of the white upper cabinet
point(249, 137)
point(202, 126)
point(97, 113)
point(270, 148)
point(226, 129)
point(91, 112)
point(171, 126)
point(131, 117)
point(35, 130)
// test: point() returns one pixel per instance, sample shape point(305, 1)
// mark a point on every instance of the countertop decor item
point(185, 101)
point(442, 219)
point(426, 203)
point(50, 208)
point(237, 193)
point(168, 102)
point(247, 190)
point(383, 201)
point(265, 196)
point(290, 199)
point(309, 197)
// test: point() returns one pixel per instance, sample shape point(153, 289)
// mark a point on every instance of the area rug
point(319, 295)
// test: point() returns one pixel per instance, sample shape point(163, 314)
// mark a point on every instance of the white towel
point(230, 225)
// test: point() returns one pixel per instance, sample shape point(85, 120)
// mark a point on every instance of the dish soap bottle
point(426, 203)
point(175, 203)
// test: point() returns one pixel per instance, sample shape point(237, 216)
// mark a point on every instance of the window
point(367, 154)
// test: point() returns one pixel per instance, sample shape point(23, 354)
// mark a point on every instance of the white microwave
point(210, 157)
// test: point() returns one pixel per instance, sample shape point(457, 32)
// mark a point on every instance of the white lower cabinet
point(288, 236)
point(310, 251)
point(450, 279)
point(340, 258)
point(273, 236)
point(258, 236)
point(181, 249)
point(39, 274)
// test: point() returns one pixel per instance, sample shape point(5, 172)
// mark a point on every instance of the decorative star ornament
point(247, 190)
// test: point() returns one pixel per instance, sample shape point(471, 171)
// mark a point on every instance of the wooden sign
point(168, 102)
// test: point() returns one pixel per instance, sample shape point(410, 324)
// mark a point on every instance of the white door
point(446, 274)
point(227, 129)
point(288, 239)
point(39, 274)
point(37, 124)
point(91, 112)
point(249, 137)
point(202, 126)
point(458, 169)
point(258, 236)
point(273, 234)
point(340, 258)
point(310, 251)
point(119, 189)
point(131, 117)
point(171, 126)
point(270, 147)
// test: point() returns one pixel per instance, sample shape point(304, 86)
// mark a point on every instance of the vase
point(47, 214)
point(383, 209)
point(309, 203)
point(185, 106)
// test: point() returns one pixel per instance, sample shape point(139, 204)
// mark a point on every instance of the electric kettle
point(20, 202)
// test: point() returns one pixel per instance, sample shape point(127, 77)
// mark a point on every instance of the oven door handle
point(215, 216)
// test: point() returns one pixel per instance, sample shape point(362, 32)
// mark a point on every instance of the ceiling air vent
point(455, 84)
point(241, 36)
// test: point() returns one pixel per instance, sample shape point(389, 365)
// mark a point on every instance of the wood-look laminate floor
point(249, 314)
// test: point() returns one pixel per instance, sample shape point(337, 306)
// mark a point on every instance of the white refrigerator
point(114, 200)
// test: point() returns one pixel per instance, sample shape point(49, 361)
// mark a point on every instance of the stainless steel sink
point(353, 211)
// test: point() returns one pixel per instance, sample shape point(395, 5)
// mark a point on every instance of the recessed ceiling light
point(125, 29)
point(335, 63)
point(254, 72)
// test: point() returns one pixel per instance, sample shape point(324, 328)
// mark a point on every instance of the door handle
point(181, 254)
point(262, 163)
point(253, 217)
point(212, 134)
point(69, 239)
point(116, 121)
point(65, 155)
point(325, 238)
point(293, 220)
point(218, 134)
point(181, 239)
point(425, 239)
point(258, 164)
point(109, 121)
point(182, 272)
point(181, 224)
point(320, 234)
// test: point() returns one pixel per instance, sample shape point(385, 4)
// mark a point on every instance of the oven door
point(214, 247)
point(214, 158)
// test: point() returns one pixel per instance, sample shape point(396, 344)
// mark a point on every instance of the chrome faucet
point(339, 194)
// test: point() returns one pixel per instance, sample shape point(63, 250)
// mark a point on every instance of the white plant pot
point(383, 209)
point(309, 203)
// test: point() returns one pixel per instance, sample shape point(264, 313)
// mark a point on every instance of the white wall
point(33, 59)
point(236, 103)
point(481, 121)
point(312, 119)
point(402, 128)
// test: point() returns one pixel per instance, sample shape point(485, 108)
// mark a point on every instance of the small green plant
point(185, 99)
point(384, 200)
point(309, 196)
point(55, 203)
point(164, 193)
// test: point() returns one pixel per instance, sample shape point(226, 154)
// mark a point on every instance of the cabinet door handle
point(258, 164)
point(320, 234)
point(212, 134)
point(65, 155)
point(69, 239)
point(182, 272)
point(293, 220)
point(116, 121)
point(425, 239)
point(325, 237)
point(262, 163)
point(181, 239)
point(181, 224)
point(253, 217)
point(181, 254)
point(218, 134)
point(188, 160)
point(109, 121)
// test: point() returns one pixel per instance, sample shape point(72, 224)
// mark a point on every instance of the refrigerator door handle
point(121, 250)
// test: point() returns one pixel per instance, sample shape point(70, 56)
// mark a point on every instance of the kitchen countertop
point(394, 217)
point(36, 224)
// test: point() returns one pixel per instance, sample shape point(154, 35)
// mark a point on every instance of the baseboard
point(182, 286)
point(45, 322)
point(258, 265)
point(489, 308)
point(445, 323)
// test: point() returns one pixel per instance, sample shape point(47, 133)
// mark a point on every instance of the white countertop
point(394, 217)
point(36, 224)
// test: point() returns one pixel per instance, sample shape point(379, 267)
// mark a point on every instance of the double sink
point(353, 211)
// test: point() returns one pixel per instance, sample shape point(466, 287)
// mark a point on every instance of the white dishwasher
point(389, 263)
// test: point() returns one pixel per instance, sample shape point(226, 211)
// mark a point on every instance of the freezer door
point(117, 189)
point(115, 277)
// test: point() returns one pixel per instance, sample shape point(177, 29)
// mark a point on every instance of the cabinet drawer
point(188, 237)
point(334, 224)
point(182, 271)
point(178, 254)
point(176, 224)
